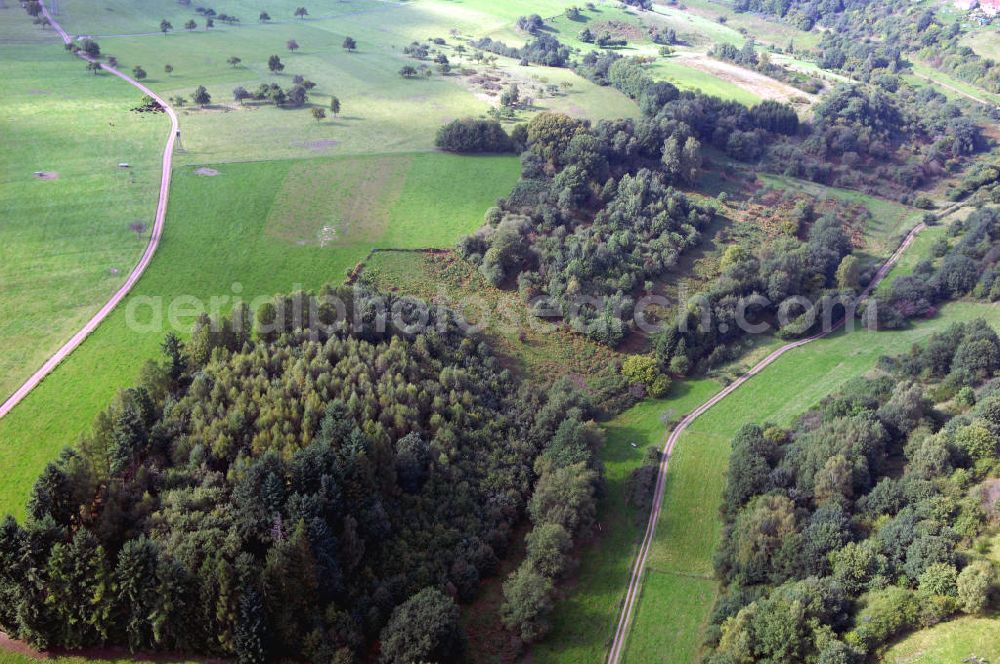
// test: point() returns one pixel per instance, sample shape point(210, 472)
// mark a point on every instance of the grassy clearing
point(689, 69)
point(953, 641)
point(65, 242)
point(337, 203)
point(985, 42)
point(584, 622)
point(674, 70)
point(9, 657)
point(920, 250)
point(949, 85)
point(698, 25)
point(117, 17)
point(216, 237)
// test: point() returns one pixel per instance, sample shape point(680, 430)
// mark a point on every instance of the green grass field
point(689, 78)
point(985, 42)
point(950, 642)
point(382, 111)
point(583, 622)
point(220, 232)
point(10, 657)
point(65, 243)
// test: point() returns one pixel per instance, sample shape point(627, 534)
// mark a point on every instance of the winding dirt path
point(147, 255)
point(635, 582)
point(965, 94)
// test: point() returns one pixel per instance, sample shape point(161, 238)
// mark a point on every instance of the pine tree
point(80, 591)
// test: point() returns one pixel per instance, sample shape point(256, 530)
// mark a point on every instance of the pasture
point(381, 110)
point(703, 15)
point(72, 223)
point(219, 242)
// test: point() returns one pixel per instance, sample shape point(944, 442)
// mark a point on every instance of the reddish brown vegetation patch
point(619, 29)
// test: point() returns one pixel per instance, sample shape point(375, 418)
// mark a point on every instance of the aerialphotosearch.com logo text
point(472, 313)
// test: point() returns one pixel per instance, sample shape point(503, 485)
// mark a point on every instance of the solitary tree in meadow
point(94, 67)
point(201, 96)
point(335, 106)
point(165, 26)
point(234, 61)
point(209, 23)
point(138, 73)
point(112, 61)
point(240, 93)
point(190, 25)
point(292, 45)
point(168, 69)
point(301, 12)
point(274, 64)
point(349, 44)
point(264, 17)
point(318, 113)
point(408, 71)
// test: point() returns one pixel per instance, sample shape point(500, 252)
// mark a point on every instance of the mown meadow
point(72, 223)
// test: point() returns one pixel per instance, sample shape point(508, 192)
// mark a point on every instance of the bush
point(471, 135)
point(424, 628)
point(887, 613)
point(974, 585)
point(643, 369)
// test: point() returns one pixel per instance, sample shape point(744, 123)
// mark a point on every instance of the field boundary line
point(639, 565)
point(147, 255)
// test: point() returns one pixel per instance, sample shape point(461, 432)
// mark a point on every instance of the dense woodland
point(307, 491)
point(597, 213)
point(857, 524)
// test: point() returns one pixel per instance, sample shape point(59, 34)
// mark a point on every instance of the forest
point(859, 522)
point(313, 490)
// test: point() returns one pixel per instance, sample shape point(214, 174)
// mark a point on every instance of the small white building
point(966, 5)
